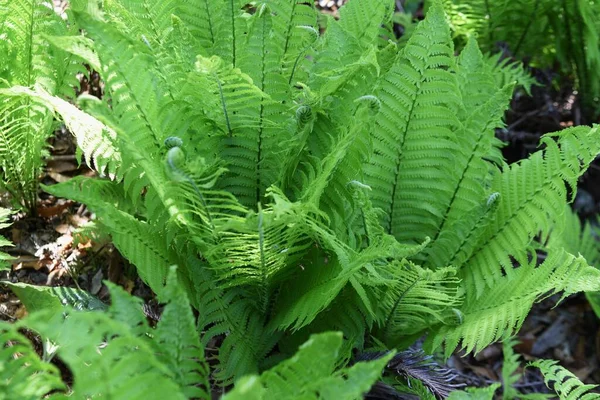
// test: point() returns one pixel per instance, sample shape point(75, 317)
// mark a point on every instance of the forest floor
point(51, 250)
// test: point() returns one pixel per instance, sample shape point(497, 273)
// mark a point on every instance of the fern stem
point(397, 169)
point(210, 22)
point(388, 320)
point(259, 154)
point(233, 48)
point(290, 26)
point(489, 21)
point(222, 96)
point(299, 56)
point(522, 38)
point(263, 265)
point(458, 186)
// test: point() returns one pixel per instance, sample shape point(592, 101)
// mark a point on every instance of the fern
point(419, 100)
point(311, 374)
point(306, 182)
point(23, 374)
point(28, 59)
point(545, 31)
point(99, 348)
point(504, 307)
point(565, 383)
point(4, 257)
point(521, 215)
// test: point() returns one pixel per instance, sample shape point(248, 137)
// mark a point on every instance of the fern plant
point(28, 59)
point(307, 182)
point(545, 31)
point(116, 354)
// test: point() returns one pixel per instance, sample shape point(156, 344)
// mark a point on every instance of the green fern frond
point(577, 237)
point(363, 18)
point(230, 98)
point(293, 34)
point(22, 374)
point(127, 309)
point(534, 194)
point(484, 106)
point(127, 69)
point(414, 298)
point(137, 240)
point(28, 59)
point(510, 365)
point(4, 257)
point(231, 313)
point(105, 356)
point(311, 373)
point(507, 71)
point(505, 305)
point(419, 102)
point(486, 393)
point(564, 382)
point(178, 343)
point(220, 26)
point(36, 298)
point(97, 141)
point(22, 123)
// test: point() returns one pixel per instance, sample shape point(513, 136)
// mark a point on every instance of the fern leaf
point(419, 102)
point(504, 307)
point(311, 374)
point(229, 96)
point(97, 141)
point(415, 298)
point(231, 313)
point(565, 383)
point(178, 341)
point(363, 18)
point(220, 26)
point(127, 309)
point(486, 393)
point(473, 173)
point(507, 71)
point(54, 298)
point(262, 61)
point(535, 195)
point(137, 240)
point(509, 368)
point(22, 374)
point(4, 257)
point(293, 34)
point(569, 234)
point(106, 357)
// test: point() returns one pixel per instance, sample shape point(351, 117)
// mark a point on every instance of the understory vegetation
point(317, 204)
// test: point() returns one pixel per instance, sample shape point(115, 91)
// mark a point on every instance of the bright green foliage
point(4, 258)
point(576, 237)
point(28, 59)
point(566, 385)
point(356, 186)
point(510, 364)
point(114, 354)
point(311, 374)
point(486, 393)
point(543, 30)
point(36, 298)
point(22, 374)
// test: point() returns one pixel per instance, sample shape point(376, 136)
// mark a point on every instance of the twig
point(66, 157)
